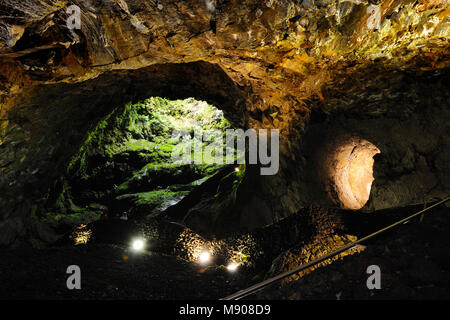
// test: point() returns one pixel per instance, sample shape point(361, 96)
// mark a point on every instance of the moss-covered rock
point(149, 204)
point(64, 222)
point(125, 164)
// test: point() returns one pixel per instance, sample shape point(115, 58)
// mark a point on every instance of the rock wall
point(294, 65)
point(409, 128)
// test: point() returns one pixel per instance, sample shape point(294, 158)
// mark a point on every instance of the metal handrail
point(257, 287)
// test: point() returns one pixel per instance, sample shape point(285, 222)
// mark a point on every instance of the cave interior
point(357, 92)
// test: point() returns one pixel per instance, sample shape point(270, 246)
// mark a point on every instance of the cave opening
point(351, 172)
point(126, 167)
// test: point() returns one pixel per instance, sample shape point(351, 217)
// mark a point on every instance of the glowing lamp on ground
point(138, 245)
point(232, 266)
point(205, 257)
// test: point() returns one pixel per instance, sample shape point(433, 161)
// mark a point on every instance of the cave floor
point(108, 272)
point(414, 261)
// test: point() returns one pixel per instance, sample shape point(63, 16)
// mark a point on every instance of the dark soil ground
point(414, 260)
point(109, 272)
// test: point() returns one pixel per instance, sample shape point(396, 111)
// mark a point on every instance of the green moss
point(155, 197)
point(233, 180)
point(146, 127)
point(56, 220)
point(150, 204)
point(97, 206)
point(239, 177)
point(132, 147)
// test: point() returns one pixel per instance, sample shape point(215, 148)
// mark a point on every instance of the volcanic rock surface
point(318, 70)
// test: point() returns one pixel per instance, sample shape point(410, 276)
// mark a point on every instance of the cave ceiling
point(281, 64)
point(282, 54)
